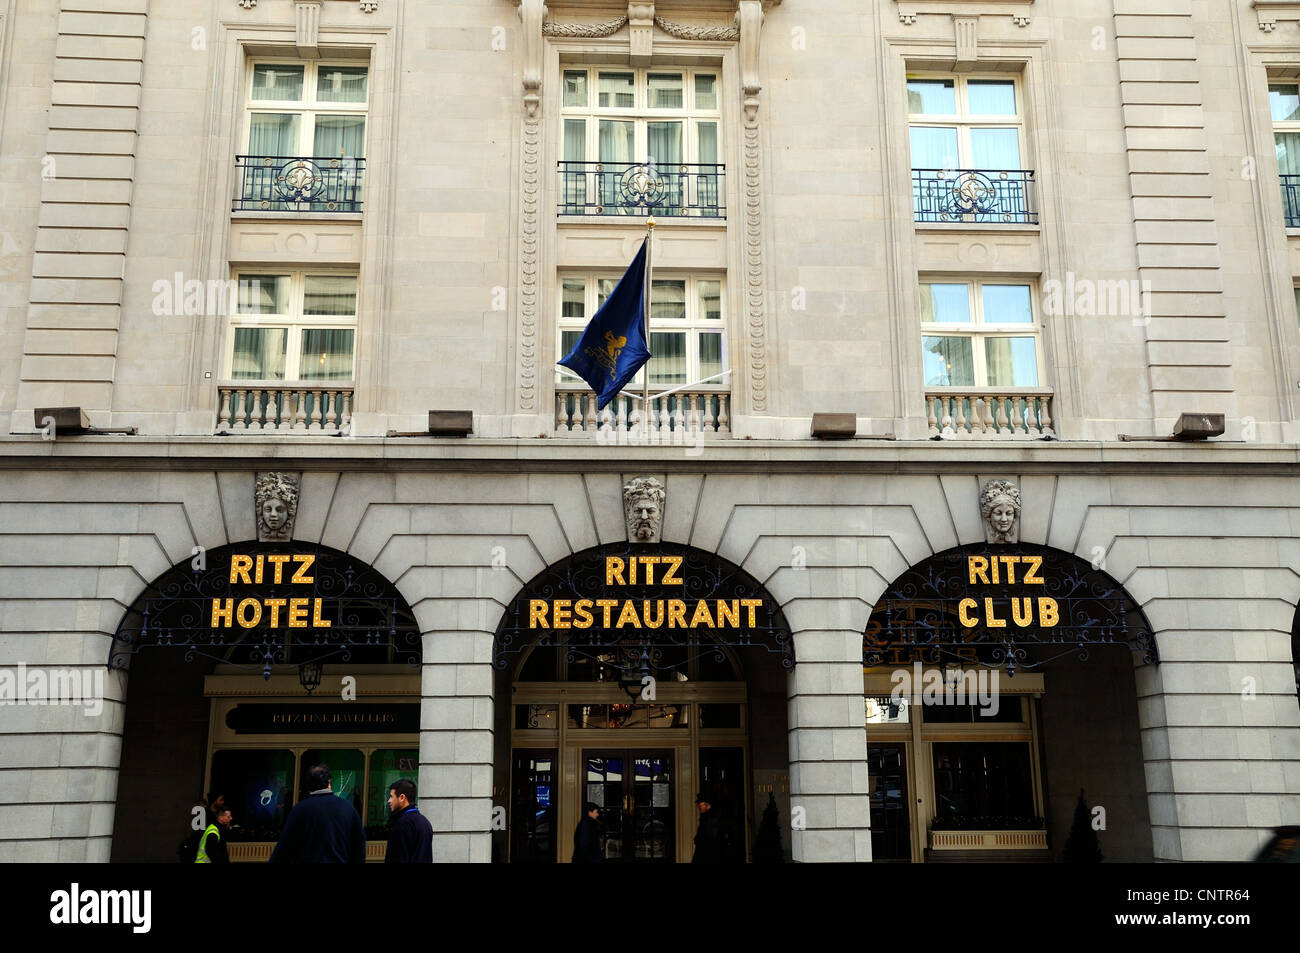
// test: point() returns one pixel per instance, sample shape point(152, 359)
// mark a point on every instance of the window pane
point(991, 97)
point(387, 765)
point(706, 92)
point(332, 295)
point(665, 143)
point(326, 354)
point(949, 362)
point(1288, 152)
point(983, 785)
point(340, 136)
point(710, 355)
point(710, 300)
point(945, 304)
point(931, 97)
point(707, 146)
point(617, 141)
point(665, 90)
point(934, 147)
point(568, 341)
point(615, 90)
point(604, 288)
point(273, 134)
point(573, 304)
point(1007, 304)
point(258, 787)
point(347, 773)
point(668, 301)
point(997, 149)
point(1284, 101)
point(341, 84)
point(575, 140)
point(1011, 362)
point(263, 294)
point(258, 354)
point(281, 83)
point(668, 366)
point(575, 87)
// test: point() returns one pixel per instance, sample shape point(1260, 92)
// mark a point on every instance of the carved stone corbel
point(306, 28)
point(641, 22)
point(966, 30)
point(369, 6)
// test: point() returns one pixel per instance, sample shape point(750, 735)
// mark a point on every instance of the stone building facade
point(1011, 240)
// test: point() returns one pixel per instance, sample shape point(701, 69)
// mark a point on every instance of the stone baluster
point(241, 419)
point(317, 396)
point(1031, 415)
point(724, 421)
point(960, 423)
point(680, 417)
point(931, 420)
point(561, 413)
point(223, 418)
point(589, 412)
point(1045, 421)
point(1002, 421)
point(345, 418)
point(331, 415)
point(300, 411)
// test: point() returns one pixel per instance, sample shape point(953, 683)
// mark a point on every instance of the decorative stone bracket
point(367, 6)
point(1268, 12)
point(909, 10)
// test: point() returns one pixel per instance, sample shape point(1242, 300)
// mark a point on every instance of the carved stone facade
point(1000, 509)
point(643, 505)
point(275, 501)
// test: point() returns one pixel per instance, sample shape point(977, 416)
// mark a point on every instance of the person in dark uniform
point(586, 836)
point(712, 838)
point(321, 828)
point(410, 836)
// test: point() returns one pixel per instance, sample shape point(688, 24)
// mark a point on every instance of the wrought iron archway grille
point(705, 577)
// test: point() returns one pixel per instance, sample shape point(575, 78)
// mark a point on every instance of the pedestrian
point(321, 828)
point(410, 835)
point(586, 836)
point(212, 845)
point(712, 838)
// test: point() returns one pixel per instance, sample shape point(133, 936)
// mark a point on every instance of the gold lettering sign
point(1020, 612)
point(251, 612)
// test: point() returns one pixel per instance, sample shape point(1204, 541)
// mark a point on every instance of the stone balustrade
point(691, 411)
point(285, 408)
point(1009, 413)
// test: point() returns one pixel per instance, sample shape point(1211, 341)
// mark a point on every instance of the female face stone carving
point(1003, 515)
point(275, 513)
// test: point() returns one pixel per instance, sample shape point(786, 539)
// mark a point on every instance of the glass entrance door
point(634, 790)
point(890, 806)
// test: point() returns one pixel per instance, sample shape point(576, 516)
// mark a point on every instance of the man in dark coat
point(713, 838)
point(586, 836)
point(321, 828)
point(410, 835)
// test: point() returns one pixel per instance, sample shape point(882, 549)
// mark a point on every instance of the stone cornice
point(19, 452)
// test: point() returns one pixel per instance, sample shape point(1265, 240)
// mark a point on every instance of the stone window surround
point(234, 47)
point(614, 51)
point(907, 51)
point(1263, 63)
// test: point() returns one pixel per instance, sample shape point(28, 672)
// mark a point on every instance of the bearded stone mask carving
point(643, 507)
point(1000, 507)
point(276, 501)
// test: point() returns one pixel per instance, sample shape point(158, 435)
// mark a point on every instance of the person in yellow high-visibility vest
point(212, 845)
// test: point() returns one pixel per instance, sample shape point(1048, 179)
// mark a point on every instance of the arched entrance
point(999, 683)
point(635, 677)
point(248, 664)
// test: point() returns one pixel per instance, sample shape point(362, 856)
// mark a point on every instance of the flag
point(613, 345)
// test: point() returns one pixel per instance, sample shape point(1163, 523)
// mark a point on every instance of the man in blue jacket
point(410, 836)
point(321, 828)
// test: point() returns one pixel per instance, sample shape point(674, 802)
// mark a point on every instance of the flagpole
point(645, 318)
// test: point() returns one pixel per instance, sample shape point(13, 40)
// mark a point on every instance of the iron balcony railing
point(974, 196)
point(298, 184)
point(1291, 199)
point(680, 190)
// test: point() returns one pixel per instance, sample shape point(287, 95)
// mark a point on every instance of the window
point(1284, 104)
point(985, 786)
point(306, 135)
point(293, 326)
point(686, 327)
point(965, 136)
point(977, 334)
point(641, 141)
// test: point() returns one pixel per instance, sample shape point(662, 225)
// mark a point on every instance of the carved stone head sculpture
point(643, 506)
point(276, 499)
point(1000, 507)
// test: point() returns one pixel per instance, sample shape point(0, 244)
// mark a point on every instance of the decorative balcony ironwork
point(695, 411)
point(974, 196)
point(298, 184)
point(990, 414)
point(246, 406)
point(1291, 199)
point(679, 190)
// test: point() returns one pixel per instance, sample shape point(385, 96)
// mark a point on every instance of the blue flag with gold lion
point(613, 346)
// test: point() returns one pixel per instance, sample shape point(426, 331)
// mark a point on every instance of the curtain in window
point(1288, 152)
point(273, 134)
point(668, 301)
point(995, 149)
point(945, 304)
point(617, 144)
point(330, 295)
point(710, 355)
point(341, 84)
point(263, 294)
point(1011, 362)
point(277, 82)
point(326, 354)
point(258, 354)
point(668, 366)
point(709, 190)
point(664, 152)
point(575, 177)
point(340, 136)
